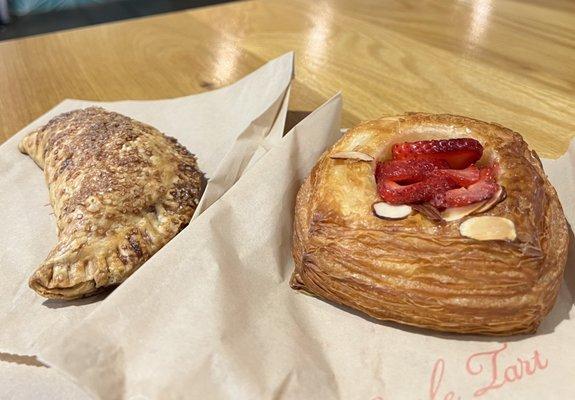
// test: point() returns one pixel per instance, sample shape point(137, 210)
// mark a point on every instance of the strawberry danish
point(437, 221)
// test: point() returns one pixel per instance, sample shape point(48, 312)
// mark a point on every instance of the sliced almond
point(488, 228)
point(455, 213)
point(384, 210)
point(352, 155)
point(429, 211)
point(493, 201)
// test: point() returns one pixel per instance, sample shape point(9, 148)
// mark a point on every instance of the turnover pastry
point(436, 221)
point(120, 191)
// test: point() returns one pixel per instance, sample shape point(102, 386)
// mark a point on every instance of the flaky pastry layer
point(422, 273)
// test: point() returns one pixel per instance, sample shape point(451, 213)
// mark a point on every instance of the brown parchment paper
point(214, 317)
point(224, 128)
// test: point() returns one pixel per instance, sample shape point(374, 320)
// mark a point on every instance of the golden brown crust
point(120, 190)
point(418, 272)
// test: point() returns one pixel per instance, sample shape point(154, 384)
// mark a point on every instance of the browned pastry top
point(120, 190)
point(418, 271)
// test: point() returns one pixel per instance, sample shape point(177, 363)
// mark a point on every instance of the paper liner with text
point(214, 317)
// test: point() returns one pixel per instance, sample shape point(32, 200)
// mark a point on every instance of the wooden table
point(507, 61)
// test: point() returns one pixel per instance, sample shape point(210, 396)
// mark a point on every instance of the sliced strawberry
point(418, 192)
point(489, 173)
point(464, 177)
point(459, 153)
point(438, 201)
point(479, 191)
point(408, 171)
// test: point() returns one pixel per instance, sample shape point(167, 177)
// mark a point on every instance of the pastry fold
point(424, 273)
point(120, 191)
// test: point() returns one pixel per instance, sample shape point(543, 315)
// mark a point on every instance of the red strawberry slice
point(489, 173)
point(438, 201)
point(408, 171)
point(418, 192)
point(478, 191)
point(464, 177)
point(459, 153)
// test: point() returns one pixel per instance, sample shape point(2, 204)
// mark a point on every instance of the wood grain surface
point(511, 62)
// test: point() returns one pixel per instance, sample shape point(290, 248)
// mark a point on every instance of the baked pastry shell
point(419, 272)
